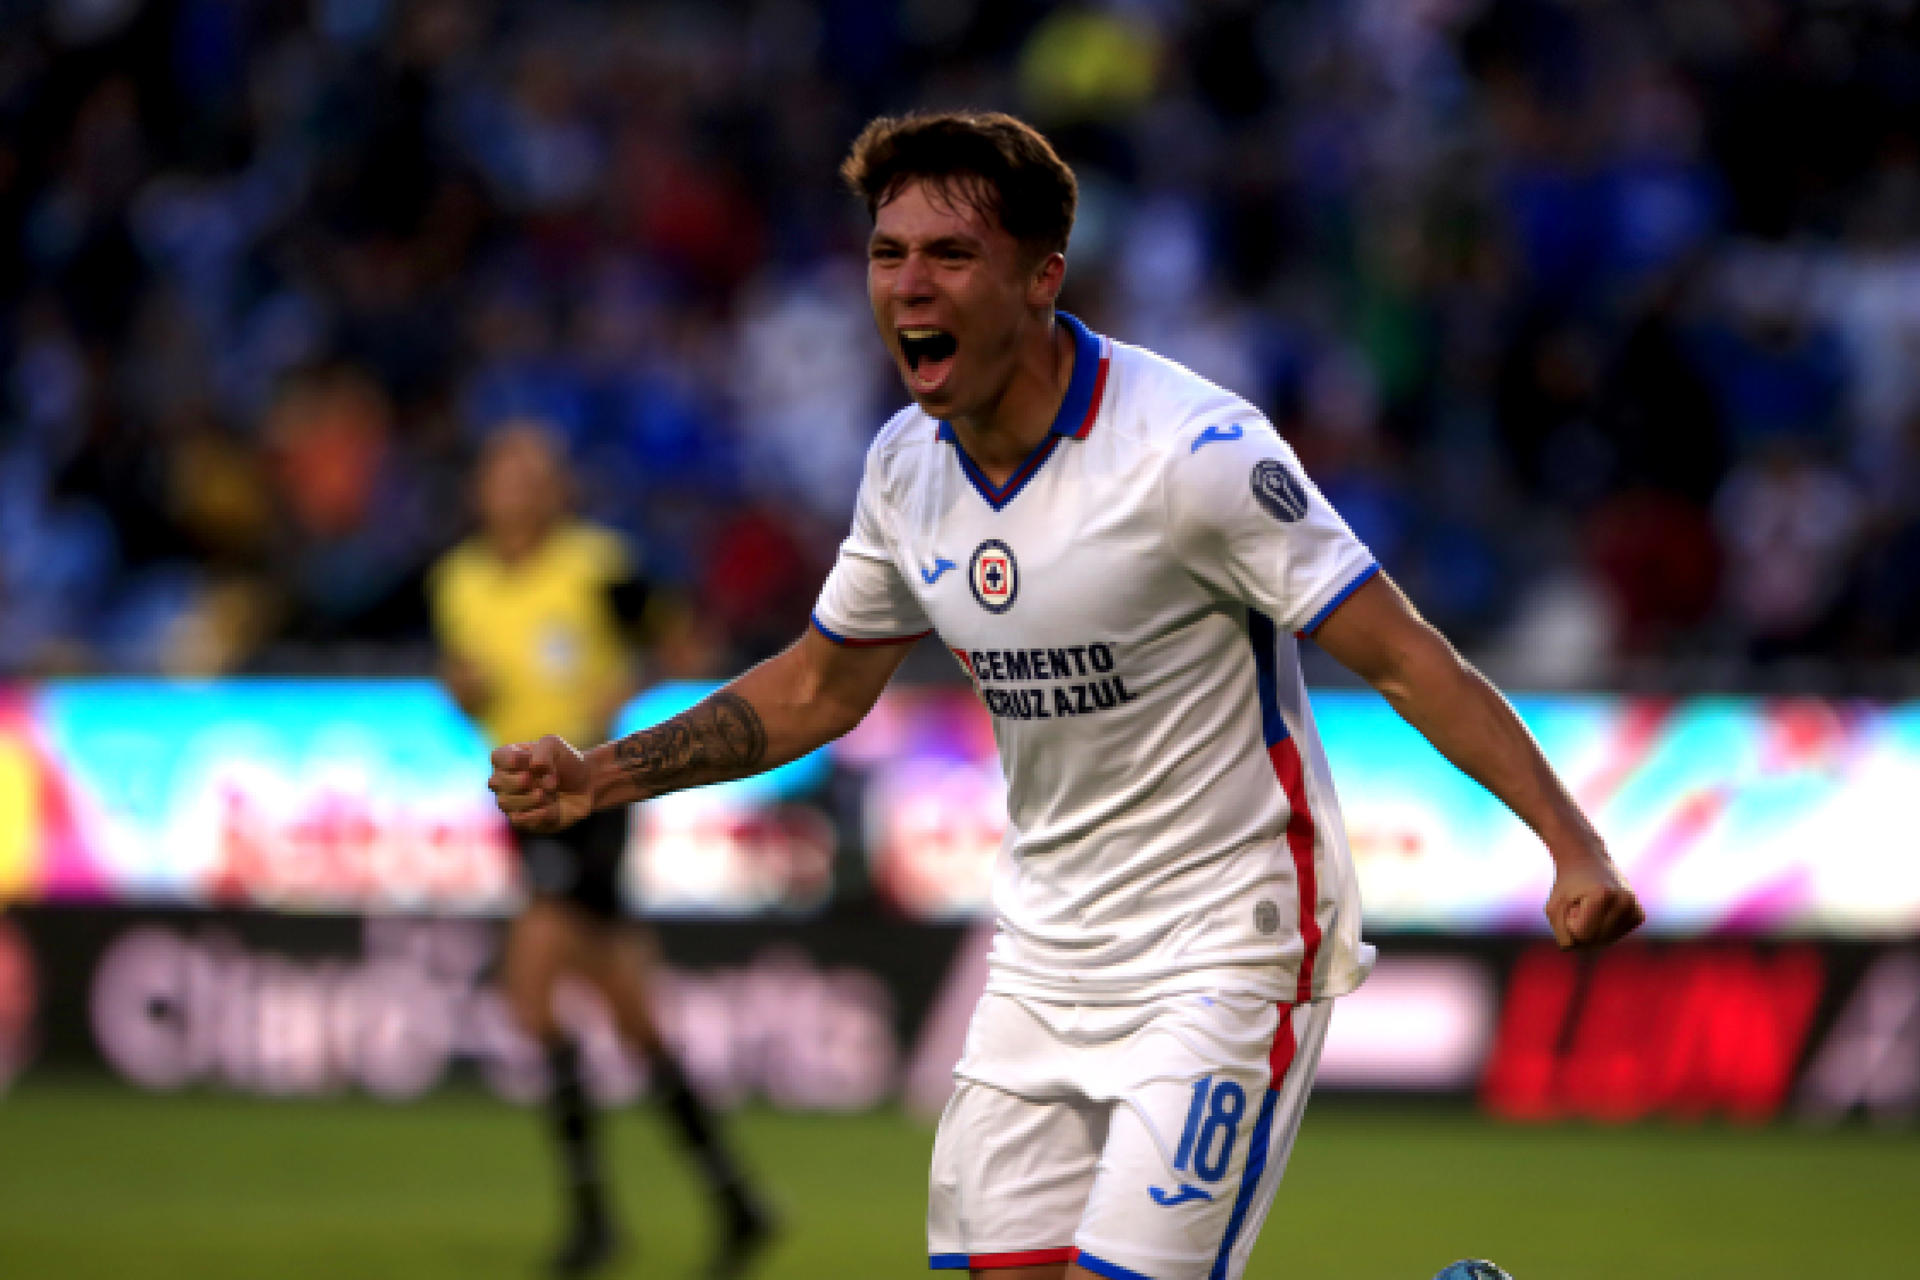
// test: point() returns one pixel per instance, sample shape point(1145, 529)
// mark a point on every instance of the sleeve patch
point(1275, 488)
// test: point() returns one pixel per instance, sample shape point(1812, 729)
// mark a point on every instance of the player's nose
point(913, 281)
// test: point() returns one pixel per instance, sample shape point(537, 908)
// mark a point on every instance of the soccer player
point(533, 616)
point(1121, 555)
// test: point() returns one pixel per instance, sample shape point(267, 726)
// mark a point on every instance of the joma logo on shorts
point(1213, 1122)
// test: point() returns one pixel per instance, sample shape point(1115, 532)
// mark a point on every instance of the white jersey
point(1126, 605)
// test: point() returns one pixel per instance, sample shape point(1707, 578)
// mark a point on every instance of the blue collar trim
point(1078, 408)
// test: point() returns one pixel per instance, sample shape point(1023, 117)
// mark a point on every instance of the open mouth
point(929, 354)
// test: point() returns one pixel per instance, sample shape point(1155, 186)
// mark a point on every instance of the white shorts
point(1145, 1141)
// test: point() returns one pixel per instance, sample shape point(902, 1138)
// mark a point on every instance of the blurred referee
point(534, 617)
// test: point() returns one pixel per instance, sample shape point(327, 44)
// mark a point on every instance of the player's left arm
point(1378, 634)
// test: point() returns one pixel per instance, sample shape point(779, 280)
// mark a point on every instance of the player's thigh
point(1192, 1161)
point(1009, 1180)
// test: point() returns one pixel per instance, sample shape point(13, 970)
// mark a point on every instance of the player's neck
point(1001, 438)
point(511, 546)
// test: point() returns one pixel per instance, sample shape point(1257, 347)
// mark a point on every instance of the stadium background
point(1597, 320)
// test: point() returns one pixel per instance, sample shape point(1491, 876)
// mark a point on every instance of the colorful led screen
point(1731, 815)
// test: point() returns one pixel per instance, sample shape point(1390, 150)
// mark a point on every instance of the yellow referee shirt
point(543, 633)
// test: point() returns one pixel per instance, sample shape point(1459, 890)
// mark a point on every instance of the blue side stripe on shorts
point(947, 1262)
point(1112, 1270)
point(1249, 1184)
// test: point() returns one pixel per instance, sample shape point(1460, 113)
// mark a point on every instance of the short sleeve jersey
point(1127, 606)
point(542, 632)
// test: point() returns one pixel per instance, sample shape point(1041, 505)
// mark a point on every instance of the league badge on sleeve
point(994, 575)
point(1275, 489)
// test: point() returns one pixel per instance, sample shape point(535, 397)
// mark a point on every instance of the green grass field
point(96, 1181)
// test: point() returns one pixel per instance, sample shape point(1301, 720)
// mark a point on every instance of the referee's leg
point(539, 942)
point(544, 942)
point(620, 962)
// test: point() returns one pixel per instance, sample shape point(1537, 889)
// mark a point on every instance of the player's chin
point(937, 404)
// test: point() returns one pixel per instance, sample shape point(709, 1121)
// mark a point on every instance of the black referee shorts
point(580, 865)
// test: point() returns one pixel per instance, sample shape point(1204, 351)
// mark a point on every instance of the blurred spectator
point(1775, 371)
point(1790, 524)
point(758, 582)
point(1658, 558)
point(1889, 580)
point(359, 527)
point(1563, 264)
point(1655, 411)
point(807, 387)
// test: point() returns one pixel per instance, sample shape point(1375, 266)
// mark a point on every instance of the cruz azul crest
point(994, 575)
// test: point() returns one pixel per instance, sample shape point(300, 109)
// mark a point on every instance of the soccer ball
point(1472, 1269)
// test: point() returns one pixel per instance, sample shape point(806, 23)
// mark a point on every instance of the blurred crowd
point(1599, 321)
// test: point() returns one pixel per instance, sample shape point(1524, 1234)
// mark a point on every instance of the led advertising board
point(1730, 815)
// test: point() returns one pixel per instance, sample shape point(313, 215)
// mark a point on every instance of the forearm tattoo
point(721, 738)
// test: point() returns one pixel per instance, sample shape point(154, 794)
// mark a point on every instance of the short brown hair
point(1031, 190)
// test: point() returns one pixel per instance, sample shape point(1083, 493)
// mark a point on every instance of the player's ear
point(1043, 286)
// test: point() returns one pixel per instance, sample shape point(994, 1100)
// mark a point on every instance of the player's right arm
point(787, 706)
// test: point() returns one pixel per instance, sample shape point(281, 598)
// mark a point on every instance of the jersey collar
point(1086, 388)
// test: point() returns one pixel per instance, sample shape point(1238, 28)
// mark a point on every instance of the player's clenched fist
point(541, 786)
point(1591, 904)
